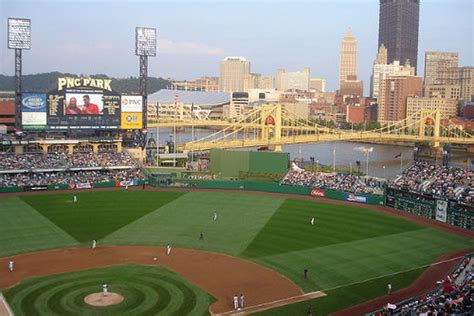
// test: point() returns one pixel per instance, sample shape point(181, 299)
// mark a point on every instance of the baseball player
point(168, 249)
point(389, 288)
point(201, 236)
point(105, 289)
point(241, 301)
point(74, 199)
point(94, 244)
point(236, 302)
point(215, 216)
point(312, 221)
point(126, 187)
point(11, 265)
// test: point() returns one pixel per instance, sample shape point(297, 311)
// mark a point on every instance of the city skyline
point(206, 33)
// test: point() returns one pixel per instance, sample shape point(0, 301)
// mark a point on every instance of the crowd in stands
point(454, 296)
point(35, 169)
point(68, 177)
point(10, 161)
point(334, 181)
point(423, 178)
point(439, 181)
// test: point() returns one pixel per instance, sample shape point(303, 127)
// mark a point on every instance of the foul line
point(321, 293)
point(261, 306)
point(395, 273)
point(5, 305)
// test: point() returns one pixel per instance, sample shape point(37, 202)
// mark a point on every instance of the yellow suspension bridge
point(272, 126)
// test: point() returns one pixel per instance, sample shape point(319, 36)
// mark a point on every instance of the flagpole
point(192, 133)
point(334, 159)
point(401, 162)
point(157, 136)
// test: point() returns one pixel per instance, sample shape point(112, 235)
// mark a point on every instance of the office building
point(348, 58)
point(233, 71)
point(317, 84)
point(296, 80)
point(442, 91)
point(393, 94)
point(398, 29)
point(447, 107)
point(381, 71)
point(461, 76)
point(437, 62)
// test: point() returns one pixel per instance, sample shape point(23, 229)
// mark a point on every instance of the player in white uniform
point(94, 244)
point(11, 265)
point(236, 302)
point(74, 199)
point(312, 221)
point(215, 216)
point(168, 249)
point(105, 289)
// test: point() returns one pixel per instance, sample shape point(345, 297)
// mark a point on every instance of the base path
point(220, 275)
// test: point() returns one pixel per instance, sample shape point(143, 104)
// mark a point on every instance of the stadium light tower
point(145, 45)
point(19, 38)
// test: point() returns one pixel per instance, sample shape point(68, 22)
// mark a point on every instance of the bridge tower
point(270, 124)
point(430, 119)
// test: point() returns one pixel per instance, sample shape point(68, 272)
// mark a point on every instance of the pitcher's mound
point(98, 299)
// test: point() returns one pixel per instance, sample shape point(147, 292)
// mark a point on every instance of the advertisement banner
point(85, 185)
point(132, 120)
point(35, 187)
point(317, 192)
point(33, 109)
point(441, 210)
point(356, 198)
point(132, 103)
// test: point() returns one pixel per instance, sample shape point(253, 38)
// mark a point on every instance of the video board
point(81, 103)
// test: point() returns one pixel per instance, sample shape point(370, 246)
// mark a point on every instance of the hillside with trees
point(45, 82)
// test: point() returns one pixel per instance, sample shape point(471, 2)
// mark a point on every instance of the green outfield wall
point(229, 163)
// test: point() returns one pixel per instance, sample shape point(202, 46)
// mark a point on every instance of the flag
point(399, 155)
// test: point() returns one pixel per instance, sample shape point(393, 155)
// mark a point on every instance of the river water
point(384, 160)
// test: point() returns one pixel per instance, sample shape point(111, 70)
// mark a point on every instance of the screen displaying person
point(89, 108)
point(72, 107)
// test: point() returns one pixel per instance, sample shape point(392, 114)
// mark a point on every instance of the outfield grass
point(97, 214)
point(346, 245)
point(239, 219)
point(147, 291)
point(23, 229)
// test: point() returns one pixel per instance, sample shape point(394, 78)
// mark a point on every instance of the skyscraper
point(436, 63)
point(233, 71)
point(398, 29)
point(348, 58)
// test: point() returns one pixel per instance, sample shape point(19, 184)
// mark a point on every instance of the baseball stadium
point(81, 215)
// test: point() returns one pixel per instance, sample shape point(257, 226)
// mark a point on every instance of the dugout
point(229, 163)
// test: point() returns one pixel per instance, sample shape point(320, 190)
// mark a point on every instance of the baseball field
point(351, 253)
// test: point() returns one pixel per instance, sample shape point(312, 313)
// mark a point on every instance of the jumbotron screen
point(81, 103)
point(83, 109)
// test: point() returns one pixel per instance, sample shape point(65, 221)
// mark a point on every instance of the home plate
point(98, 299)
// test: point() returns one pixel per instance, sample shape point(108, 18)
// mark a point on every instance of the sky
point(92, 37)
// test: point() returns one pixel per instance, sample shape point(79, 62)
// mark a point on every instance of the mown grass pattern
point(23, 229)
point(147, 291)
point(97, 214)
